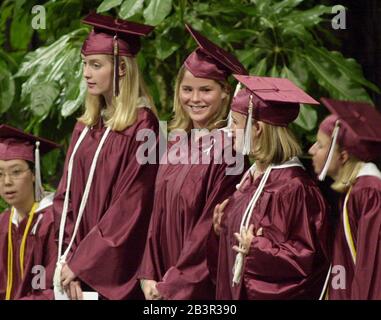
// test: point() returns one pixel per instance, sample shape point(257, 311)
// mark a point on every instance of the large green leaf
point(58, 64)
point(6, 10)
point(72, 105)
point(106, 5)
point(156, 11)
point(262, 6)
point(165, 47)
point(339, 85)
point(21, 29)
point(8, 60)
point(307, 18)
point(284, 6)
point(249, 56)
point(240, 35)
point(130, 8)
point(43, 97)
point(307, 118)
point(260, 68)
point(7, 88)
point(294, 33)
point(348, 67)
point(287, 73)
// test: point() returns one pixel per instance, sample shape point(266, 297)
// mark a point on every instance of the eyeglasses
point(13, 174)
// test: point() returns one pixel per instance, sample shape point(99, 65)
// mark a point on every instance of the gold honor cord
point(22, 249)
point(347, 229)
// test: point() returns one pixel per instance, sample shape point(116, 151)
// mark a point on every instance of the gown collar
point(369, 169)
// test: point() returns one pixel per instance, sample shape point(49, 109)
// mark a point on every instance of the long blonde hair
point(181, 120)
point(124, 109)
point(275, 145)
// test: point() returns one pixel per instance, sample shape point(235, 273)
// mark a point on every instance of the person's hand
point(74, 291)
point(149, 289)
point(71, 287)
point(67, 275)
point(217, 215)
point(245, 238)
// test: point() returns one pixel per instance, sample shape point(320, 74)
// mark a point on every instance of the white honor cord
point(325, 283)
point(84, 197)
point(245, 177)
point(66, 200)
point(335, 134)
point(347, 229)
point(57, 272)
point(238, 264)
point(237, 269)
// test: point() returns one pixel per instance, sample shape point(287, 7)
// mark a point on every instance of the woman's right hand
point(149, 289)
point(217, 215)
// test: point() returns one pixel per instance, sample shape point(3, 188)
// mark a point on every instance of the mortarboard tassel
point(116, 66)
point(247, 134)
point(335, 134)
point(237, 89)
point(38, 189)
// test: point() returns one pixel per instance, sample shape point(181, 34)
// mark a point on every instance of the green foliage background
point(41, 87)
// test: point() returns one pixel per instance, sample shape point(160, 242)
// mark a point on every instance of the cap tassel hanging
point(247, 134)
point(116, 66)
point(38, 189)
point(335, 134)
point(237, 89)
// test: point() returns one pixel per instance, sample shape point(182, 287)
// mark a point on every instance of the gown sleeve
point(366, 284)
point(282, 261)
point(191, 276)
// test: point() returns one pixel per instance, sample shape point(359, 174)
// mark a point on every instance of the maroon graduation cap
point(210, 61)
point(18, 145)
point(359, 127)
point(274, 100)
point(114, 37)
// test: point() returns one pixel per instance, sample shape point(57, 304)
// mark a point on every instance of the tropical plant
point(40, 70)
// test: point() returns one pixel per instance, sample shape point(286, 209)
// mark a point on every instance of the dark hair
point(30, 165)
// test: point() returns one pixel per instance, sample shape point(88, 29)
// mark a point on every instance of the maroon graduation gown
point(110, 241)
point(363, 280)
point(185, 197)
point(289, 260)
point(40, 250)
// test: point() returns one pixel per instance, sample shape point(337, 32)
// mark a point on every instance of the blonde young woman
point(174, 264)
point(347, 142)
point(28, 250)
point(273, 229)
point(104, 200)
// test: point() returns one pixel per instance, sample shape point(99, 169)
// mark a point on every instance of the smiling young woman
point(174, 264)
point(199, 102)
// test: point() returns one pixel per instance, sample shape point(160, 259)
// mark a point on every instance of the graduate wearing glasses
point(27, 246)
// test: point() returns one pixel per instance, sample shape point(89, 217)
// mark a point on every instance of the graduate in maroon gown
point(273, 229)
point(347, 141)
point(28, 251)
point(104, 200)
point(174, 264)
